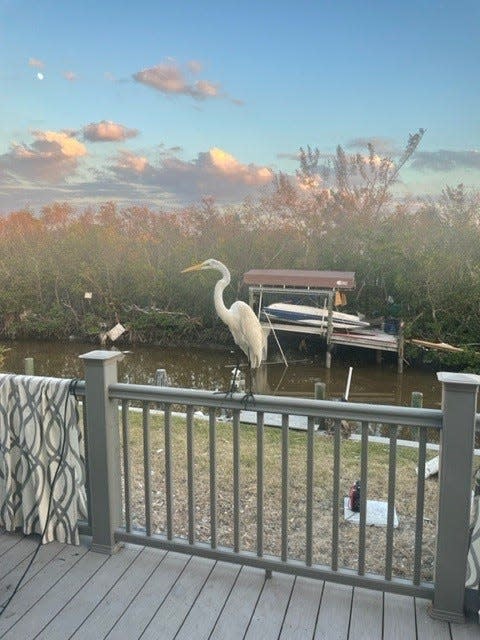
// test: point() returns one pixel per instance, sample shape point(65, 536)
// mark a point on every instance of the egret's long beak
point(194, 267)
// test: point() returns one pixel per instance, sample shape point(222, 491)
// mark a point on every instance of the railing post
point(459, 402)
point(103, 448)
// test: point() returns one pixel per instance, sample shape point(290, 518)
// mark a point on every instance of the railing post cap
point(102, 356)
point(467, 379)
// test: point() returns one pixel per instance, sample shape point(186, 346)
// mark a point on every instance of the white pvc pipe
point(347, 388)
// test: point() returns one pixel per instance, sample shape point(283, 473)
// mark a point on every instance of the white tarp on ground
point(36, 414)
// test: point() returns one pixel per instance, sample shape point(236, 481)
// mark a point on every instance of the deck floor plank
point(138, 614)
point(367, 615)
point(113, 604)
point(174, 609)
point(466, 631)
point(150, 594)
point(302, 610)
point(267, 619)
point(35, 588)
point(56, 598)
point(45, 555)
point(334, 615)
point(239, 605)
point(16, 554)
point(203, 615)
point(65, 623)
point(8, 540)
point(399, 617)
point(427, 627)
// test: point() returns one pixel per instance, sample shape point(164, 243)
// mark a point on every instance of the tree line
point(422, 255)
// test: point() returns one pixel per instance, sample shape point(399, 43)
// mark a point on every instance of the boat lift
point(294, 283)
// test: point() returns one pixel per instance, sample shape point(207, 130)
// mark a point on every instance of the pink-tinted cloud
point(169, 78)
point(130, 163)
point(52, 157)
point(214, 172)
point(71, 76)
point(205, 89)
point(108, 131)
point(194, 66)
point(34, 62)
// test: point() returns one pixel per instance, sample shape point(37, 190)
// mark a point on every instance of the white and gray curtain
point(36, 415)
point(473, 561)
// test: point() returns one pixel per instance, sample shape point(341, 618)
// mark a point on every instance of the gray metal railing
point(109, 449)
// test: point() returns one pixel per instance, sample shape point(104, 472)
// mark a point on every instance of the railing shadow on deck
point(225, 491)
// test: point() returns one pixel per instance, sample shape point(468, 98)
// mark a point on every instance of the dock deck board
point(71, 592)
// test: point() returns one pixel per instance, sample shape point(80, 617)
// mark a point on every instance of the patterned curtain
point(38, 421)
point(473, 561)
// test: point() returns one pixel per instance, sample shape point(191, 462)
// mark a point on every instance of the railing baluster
point(422, 454)
point(167, 416)
point(236, 480)
point(392, 471)
point(336, 493)
point(284, 552)
point(260, 456)
point(190, 476)
point(363, 499)
point(126, 464)
point(213, 477)
point(309, 497)
point(147, 472)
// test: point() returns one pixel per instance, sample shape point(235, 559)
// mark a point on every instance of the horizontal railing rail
point(405, 416)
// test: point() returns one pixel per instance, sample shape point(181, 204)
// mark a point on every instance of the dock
point(296, 284)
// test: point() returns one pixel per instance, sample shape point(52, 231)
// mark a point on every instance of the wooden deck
point(71, 592)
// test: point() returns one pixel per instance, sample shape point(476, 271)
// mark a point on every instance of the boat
point(312, 316)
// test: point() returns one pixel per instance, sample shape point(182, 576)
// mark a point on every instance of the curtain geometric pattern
point(36, 415)
point(473, 560)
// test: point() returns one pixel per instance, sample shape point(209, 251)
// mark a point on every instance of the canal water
point(209, 368)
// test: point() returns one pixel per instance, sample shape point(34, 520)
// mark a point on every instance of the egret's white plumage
point(244, 325)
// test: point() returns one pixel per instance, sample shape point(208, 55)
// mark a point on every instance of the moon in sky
point(40, 76)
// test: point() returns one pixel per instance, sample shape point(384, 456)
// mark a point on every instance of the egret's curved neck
point(224, 281)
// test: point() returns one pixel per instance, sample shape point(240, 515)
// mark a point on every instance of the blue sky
point(162, 103)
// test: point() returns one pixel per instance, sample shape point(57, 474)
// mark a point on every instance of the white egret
point(244, 325)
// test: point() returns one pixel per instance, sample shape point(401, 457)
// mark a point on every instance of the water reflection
point(209, 368)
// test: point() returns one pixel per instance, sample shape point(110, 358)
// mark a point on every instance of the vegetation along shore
point(68, 272)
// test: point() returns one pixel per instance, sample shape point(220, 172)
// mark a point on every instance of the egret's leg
point(249, 397)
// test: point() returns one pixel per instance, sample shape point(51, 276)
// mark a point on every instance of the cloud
point(214, 173)
point(107, 131)
point(71, 76)
point(169, 78)
point(383, 146)
point(34, 62)
point(194, 66)
point(130, 164)
point(443, 160)
point(52, 157)
point(285, 155)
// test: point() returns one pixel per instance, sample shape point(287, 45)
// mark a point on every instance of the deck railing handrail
point(455, 422)
point(408, 416)
point(405, 416)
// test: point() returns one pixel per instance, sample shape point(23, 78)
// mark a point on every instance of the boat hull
point(313, 316)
